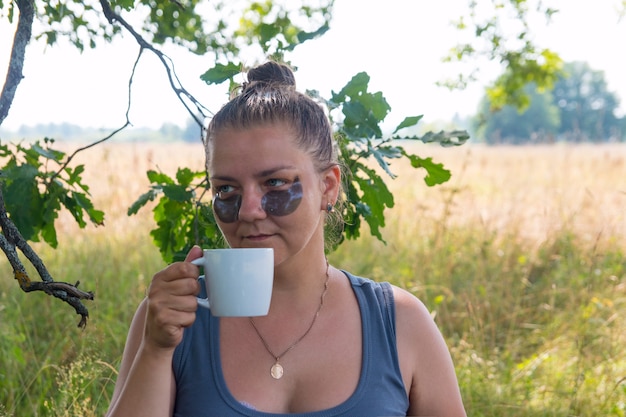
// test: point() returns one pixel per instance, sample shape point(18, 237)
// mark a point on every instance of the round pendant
point(276, 371)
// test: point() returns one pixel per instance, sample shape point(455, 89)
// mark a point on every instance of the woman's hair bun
point(270, 73)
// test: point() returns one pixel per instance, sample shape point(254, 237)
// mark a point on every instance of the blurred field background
point(520, 258)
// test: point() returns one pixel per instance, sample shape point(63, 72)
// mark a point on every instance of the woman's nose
point(251, 206)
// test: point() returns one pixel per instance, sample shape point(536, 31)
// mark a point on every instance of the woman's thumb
point(194, 253)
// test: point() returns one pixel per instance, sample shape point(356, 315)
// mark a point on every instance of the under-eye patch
point(227, 210)
point(283, 202)
point(274, 203)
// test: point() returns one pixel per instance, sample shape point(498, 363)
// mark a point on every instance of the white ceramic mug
point(238, 281)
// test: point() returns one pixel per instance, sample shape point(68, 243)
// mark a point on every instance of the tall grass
point(520, 258)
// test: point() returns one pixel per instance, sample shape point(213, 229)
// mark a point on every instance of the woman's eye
point(275, 182)
point(224, 189)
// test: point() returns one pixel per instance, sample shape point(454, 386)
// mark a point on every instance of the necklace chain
point(277, 369)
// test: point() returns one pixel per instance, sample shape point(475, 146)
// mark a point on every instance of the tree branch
point(173, 79)
point(12, 238)
point(22, 36)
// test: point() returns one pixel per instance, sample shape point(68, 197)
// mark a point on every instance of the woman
point(332, 344)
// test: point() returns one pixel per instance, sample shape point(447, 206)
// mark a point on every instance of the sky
point(399, 43)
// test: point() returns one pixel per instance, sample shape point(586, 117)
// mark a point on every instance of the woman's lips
point(257, 238)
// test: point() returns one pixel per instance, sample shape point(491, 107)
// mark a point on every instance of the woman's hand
point(145, 384)
point(171, 304)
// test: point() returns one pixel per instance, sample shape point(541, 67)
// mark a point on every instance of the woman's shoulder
point(418, 337)
point(406, 303)
point(408, 309)
point(413, 319)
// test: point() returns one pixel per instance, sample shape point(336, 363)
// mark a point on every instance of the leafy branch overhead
point(38, 181)
point(33, 195)
point(501, 33)
point(183, 214)
point(357, 115)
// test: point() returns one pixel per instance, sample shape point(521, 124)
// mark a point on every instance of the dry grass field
point(532, 191)
point(520, 257)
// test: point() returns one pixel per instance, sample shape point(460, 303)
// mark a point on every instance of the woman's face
point(267, 192)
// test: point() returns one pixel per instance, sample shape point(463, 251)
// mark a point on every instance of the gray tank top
point(202, 392)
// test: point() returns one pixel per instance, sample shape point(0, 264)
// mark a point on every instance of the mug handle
point(202, 302)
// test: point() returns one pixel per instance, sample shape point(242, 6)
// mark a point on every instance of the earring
point(329, 208)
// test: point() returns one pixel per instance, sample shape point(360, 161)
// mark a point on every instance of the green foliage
point(586, 107)
point(199, 26)
point(271, 25)
point(538, 122)
point(47, 368)
point(360, 140)
point(220, 73)
point(523, 67)
point(177, 22)
point(267, 28)
point(533, 330)
point(34, 193)
point(578, 108)
point(504, 36)
point(34, 196)
point(183, 219)
point(75, 20)
point(80, 387)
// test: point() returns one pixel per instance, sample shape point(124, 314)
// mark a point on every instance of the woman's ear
point(331, 181)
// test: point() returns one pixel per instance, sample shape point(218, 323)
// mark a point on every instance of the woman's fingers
point(172, 302)
point(194, 253)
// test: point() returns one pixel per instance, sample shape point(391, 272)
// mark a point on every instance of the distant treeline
point(579, 108)
point(68, 132)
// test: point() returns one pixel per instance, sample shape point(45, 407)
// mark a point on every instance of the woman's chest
point(320, 371)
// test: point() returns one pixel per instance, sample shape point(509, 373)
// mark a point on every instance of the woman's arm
point(145, 385)
point(145, 382)
point(425, 361)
